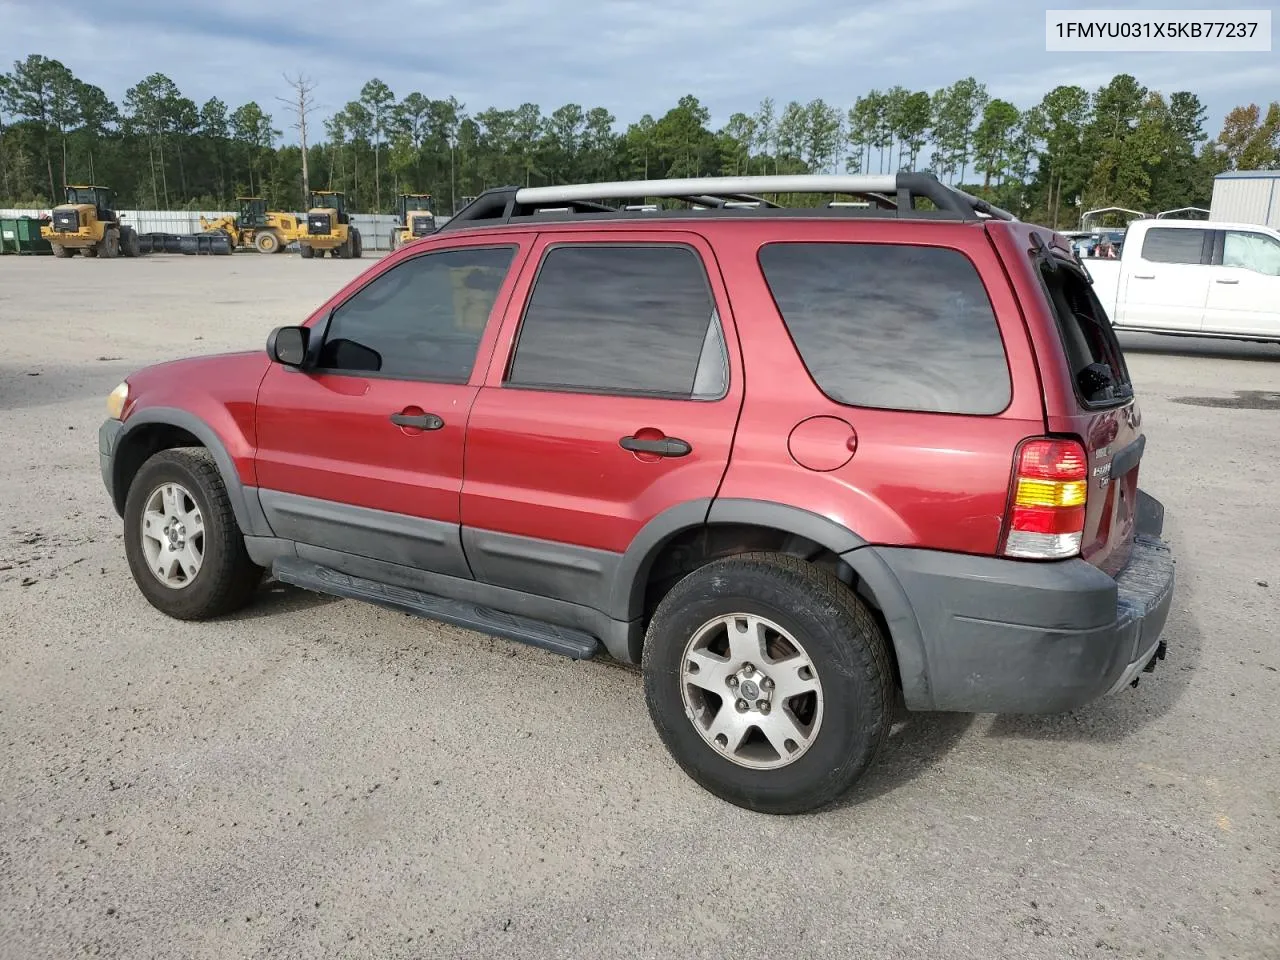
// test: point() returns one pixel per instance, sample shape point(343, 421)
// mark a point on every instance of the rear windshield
point(1093, 352)
point(893, 326)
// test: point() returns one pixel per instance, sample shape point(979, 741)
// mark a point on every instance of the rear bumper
point(1006, 636)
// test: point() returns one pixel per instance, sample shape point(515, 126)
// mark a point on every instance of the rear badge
point(1103, 472)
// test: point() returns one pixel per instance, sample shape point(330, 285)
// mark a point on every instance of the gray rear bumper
point(1008, 636)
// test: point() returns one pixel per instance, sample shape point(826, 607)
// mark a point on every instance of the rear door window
point(622, 319)
point(892, 326)
point(1175, 245)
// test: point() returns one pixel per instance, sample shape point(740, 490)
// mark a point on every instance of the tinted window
point(891, 326)
point(1173, 245)
point(619, 319)
point(422, 319)
point(1097, 363)
point(1252, 251)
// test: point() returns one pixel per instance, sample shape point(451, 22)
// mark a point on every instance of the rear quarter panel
point(1104, 431)
point(916, 479)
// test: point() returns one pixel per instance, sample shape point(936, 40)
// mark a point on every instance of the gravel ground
point(320, 778)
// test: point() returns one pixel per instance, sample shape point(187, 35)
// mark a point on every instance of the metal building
point(1247, 196)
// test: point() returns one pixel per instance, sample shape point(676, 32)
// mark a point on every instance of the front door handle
point(1144, 276)
point(1226, 281)
point(665, 447)
point(423, 421)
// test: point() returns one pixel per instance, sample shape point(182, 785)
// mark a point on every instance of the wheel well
point(690, 549)
point(138, 446)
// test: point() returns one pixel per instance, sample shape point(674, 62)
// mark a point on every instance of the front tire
point(185, 550)
point(768, 681)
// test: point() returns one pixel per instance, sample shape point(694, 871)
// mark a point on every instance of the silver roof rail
point(710, 186)
point(894, 193)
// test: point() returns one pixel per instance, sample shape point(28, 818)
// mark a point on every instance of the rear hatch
point(1100, 410)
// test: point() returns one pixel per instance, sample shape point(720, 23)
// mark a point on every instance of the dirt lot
point(319, 778)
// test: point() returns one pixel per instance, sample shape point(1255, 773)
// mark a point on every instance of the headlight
point(117, 399)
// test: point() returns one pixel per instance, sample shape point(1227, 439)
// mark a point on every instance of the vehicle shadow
point(274, 598)
point(916, 742)
point(1198, 347)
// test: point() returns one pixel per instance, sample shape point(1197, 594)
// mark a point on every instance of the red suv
point(790, 460)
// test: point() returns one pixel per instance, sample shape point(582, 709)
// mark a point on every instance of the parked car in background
point(1194, 278)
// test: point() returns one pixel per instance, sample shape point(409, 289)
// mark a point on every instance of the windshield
point(82, 195)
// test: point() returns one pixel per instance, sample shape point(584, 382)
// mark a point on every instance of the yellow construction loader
point(268, 231)
point(414, 218)
point(328, 228)
point(89, 225)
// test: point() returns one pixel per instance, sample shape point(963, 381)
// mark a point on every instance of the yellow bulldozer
point(414, 218)
point(328, 228)
point(268, 231)
point(88, 224)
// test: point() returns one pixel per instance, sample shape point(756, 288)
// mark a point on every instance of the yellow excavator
point(89, 225)
point(328, 228)
point(414, 218)
point(268, 231)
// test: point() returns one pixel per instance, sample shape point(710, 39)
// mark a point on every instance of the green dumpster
point(29, 239)
point(8, 236)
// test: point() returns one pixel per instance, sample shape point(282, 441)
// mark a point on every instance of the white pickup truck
point(1193, 278)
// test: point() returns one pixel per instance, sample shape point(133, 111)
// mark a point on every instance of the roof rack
point(892, 194)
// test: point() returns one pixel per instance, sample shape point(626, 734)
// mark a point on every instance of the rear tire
point(798, 663)
point(220, 576)
point(59, 251)
point(357, 249)
point(89, 251)
point(348, 246)
point(305, 251)
point(109, 245)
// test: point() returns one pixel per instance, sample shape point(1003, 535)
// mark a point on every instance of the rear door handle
point(666, 447)
point(1226, 281)
point(423, 421)
point(1144, 276)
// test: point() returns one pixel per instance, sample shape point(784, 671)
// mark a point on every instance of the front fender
point(243, 496)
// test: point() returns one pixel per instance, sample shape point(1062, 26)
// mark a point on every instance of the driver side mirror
point(288, 345)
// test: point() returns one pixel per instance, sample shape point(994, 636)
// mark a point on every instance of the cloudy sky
point(631, 56)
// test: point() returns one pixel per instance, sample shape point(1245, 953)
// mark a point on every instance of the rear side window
point(1174, 245)
point(622, 319)
point(892, 326)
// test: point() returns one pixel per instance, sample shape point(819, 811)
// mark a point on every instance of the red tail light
point(1047, 503)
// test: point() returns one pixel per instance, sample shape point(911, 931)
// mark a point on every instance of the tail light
point(1046, 508)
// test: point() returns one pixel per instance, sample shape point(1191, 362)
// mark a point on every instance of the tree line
point(1120, 145)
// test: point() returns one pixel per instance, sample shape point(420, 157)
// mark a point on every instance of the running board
point(312, 576)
